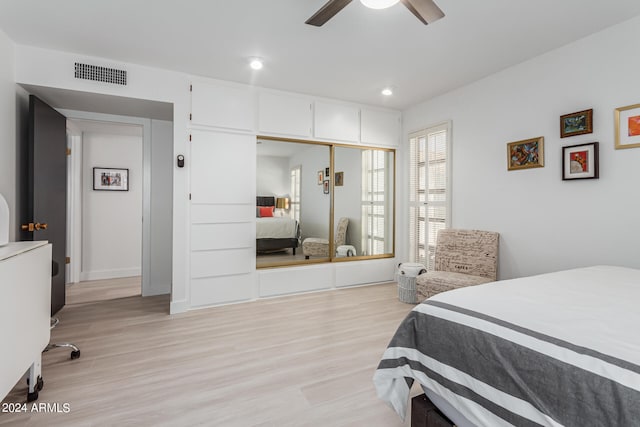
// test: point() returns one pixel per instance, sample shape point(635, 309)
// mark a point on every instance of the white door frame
point(74, 231)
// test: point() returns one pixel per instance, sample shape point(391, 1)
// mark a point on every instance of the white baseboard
point(181, 306)
point(109, 274)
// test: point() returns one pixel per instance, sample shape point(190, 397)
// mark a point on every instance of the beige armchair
point(462, 258)
point(315, 246)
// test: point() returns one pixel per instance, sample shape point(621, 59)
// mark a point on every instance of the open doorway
point(105, 178)
point(119, 241)
point(90, 113)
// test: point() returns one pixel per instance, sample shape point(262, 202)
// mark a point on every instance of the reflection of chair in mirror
point(315, 246)
point(462, 258)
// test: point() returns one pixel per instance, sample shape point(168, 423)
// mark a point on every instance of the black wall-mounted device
point(180, 161)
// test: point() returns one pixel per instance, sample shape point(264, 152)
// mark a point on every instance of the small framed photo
point(525, 154)
point(320, 177)
point(326, 172)
point(578, 123)
point(339, 179)
point(580, 161)
point(325, 186)
point(111, 179)
point(627, 126)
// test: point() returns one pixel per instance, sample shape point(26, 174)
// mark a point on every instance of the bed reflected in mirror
point(291, 203)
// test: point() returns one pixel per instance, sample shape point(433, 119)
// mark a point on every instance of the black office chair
point(75, 351)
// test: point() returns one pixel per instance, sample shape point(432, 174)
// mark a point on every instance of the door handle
point(33, 227)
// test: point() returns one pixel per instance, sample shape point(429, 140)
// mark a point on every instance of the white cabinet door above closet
point(337, 122)
point(223, 168)
point(284, 114)
point(380, 127)
point(224, 106)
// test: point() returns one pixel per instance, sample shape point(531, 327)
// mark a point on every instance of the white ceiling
point(352, 57)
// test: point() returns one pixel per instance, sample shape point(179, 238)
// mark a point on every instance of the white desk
point(25, 311)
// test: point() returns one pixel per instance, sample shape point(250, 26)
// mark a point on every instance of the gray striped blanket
point(560, 349)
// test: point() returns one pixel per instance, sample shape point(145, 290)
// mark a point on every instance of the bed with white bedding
point(275, 233)
point(558, 349)
point(276, 228)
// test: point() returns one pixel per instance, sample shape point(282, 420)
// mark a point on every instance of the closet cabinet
point(337, 122)
point(284, 114)
point(380, 127)
point(223, 105)
point(223, 183)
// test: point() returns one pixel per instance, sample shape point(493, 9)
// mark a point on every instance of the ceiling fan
point(425, 10)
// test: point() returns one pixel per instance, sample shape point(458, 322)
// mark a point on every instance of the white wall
point(273, 176)
point(161, 207)
point(111, 220)
point(546, 224)
point(8, 128)
point(314, 204)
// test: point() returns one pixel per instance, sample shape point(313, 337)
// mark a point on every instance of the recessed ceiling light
point(256, 63)
point(387, 91)
point(378, 4)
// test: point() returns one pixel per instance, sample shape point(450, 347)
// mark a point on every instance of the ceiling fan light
point(378, 4)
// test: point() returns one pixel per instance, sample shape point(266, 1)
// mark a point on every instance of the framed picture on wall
point(525, 154)
point(320, 177)
point(627, 126)
point(580, 161)
point(578, 123)
point(339, 179)
point(111, 179)
point(326, 172)
point(325, 187)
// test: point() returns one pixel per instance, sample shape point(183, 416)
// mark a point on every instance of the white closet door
point(223, 186)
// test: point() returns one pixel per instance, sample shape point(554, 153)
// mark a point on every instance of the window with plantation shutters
point(429, 190)
point(294, 202)
point(375, 173)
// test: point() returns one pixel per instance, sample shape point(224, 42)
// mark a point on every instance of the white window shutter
point(429, 190)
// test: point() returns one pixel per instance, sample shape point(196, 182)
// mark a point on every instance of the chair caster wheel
point(32, 396)
point(75, 354)
point(39, 383)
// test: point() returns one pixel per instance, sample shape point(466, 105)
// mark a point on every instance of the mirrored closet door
point(321, 202)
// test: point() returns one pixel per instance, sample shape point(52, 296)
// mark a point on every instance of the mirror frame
point(330, 258)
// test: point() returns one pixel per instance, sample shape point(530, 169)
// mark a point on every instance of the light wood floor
point(304, 360)
point(102, 290)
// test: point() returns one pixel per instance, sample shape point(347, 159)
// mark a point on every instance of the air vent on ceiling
point(100, 74)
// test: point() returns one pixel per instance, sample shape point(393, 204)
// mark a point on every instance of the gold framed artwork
point(525, 154)
point(578, 123)
point(627, 126)
point(580, 161)
point(339, 179)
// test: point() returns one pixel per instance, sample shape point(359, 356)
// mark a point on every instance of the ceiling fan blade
point(425, 10)
point(327, 12)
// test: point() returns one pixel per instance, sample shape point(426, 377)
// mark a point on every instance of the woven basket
point(406, 278)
